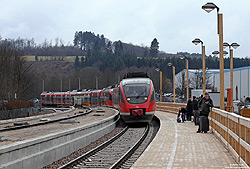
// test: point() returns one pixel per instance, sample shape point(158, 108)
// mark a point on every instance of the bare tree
point(15, 74)
point(196, 80)
point(180, 84)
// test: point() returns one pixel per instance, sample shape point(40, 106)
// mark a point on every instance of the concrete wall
point(41, 151)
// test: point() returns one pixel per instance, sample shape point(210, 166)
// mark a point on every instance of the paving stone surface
point(177, 145)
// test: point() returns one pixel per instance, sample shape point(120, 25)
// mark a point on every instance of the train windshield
point(136, 93)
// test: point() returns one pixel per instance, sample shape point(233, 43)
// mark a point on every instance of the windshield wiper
point(140, 94)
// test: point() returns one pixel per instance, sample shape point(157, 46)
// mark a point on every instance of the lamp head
point(225, 53)
point(183, 57)
point(196, 41)
point(235, 45)
point(215, 53)
point(157, 69)
point(225, 44)
point(170, 64)
point(208, 7)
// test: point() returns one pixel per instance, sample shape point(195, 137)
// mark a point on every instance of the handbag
point(178, 120)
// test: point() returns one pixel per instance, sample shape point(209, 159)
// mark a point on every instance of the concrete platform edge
point(41, 151)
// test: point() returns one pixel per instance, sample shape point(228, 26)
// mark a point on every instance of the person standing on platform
point(196, 112)
point(189, 109)
point(205, 104)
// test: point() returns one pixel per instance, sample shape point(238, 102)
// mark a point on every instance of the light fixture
point(196, 41)
point(225, 44)
point(225, 53)
point(235, 45)
point(215, 53)
point(157, 69)
point(208, 7)
point(183, 57)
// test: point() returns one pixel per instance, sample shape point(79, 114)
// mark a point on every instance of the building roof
point(212, 71)
point(199, 71)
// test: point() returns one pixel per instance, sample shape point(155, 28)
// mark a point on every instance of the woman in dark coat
point(189, 109)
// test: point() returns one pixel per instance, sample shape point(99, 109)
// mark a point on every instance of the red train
point(134, 97)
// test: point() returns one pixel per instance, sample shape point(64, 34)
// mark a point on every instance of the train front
point(137, 100)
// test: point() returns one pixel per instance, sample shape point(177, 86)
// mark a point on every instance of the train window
point(121, 96)
point(152, 95)
point(108, 96)
point(136, 93)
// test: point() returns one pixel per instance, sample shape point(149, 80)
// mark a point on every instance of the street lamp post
point(216, 53)
point(208, 7)
point(158, 70)
point(235, 46)
point(79, 83)
point(61, 85)
point(184, 57)
point(96, 82)
point(118, 79)
point(43, 85)
point(69, 83)
point(171, 65)
point(196, 42)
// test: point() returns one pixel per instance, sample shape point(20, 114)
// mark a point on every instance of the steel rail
point(96, 149)
point(120, 161)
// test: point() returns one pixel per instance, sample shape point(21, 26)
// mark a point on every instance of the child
point(178, 117)
point(182, 113)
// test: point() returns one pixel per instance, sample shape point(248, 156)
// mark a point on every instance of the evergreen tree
point(154, 48)
point(109, 47)
point(118, 48)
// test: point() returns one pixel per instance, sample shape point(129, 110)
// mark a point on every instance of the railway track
point(46, 122)
point(120, 151)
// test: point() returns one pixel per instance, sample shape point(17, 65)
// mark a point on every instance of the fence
point(233, 130)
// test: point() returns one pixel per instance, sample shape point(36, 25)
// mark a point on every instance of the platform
point(177, 145)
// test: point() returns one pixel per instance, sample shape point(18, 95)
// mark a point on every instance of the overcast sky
point(175, 23)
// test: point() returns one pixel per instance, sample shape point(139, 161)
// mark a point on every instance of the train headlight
point(145, 98)
point(128, 99)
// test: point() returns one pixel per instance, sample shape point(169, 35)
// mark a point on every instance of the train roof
point(136, 75)
point(135, 80)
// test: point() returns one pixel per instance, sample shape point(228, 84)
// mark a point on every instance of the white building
point(195, 76)
point(241, 80)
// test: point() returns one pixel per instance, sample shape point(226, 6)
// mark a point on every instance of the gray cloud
point(174, 22)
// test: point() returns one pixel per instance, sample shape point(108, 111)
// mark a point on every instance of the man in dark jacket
point(189, 109)
point(196, 112)
point(205, 105)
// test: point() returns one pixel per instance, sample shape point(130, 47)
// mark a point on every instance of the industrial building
point(241, 87)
